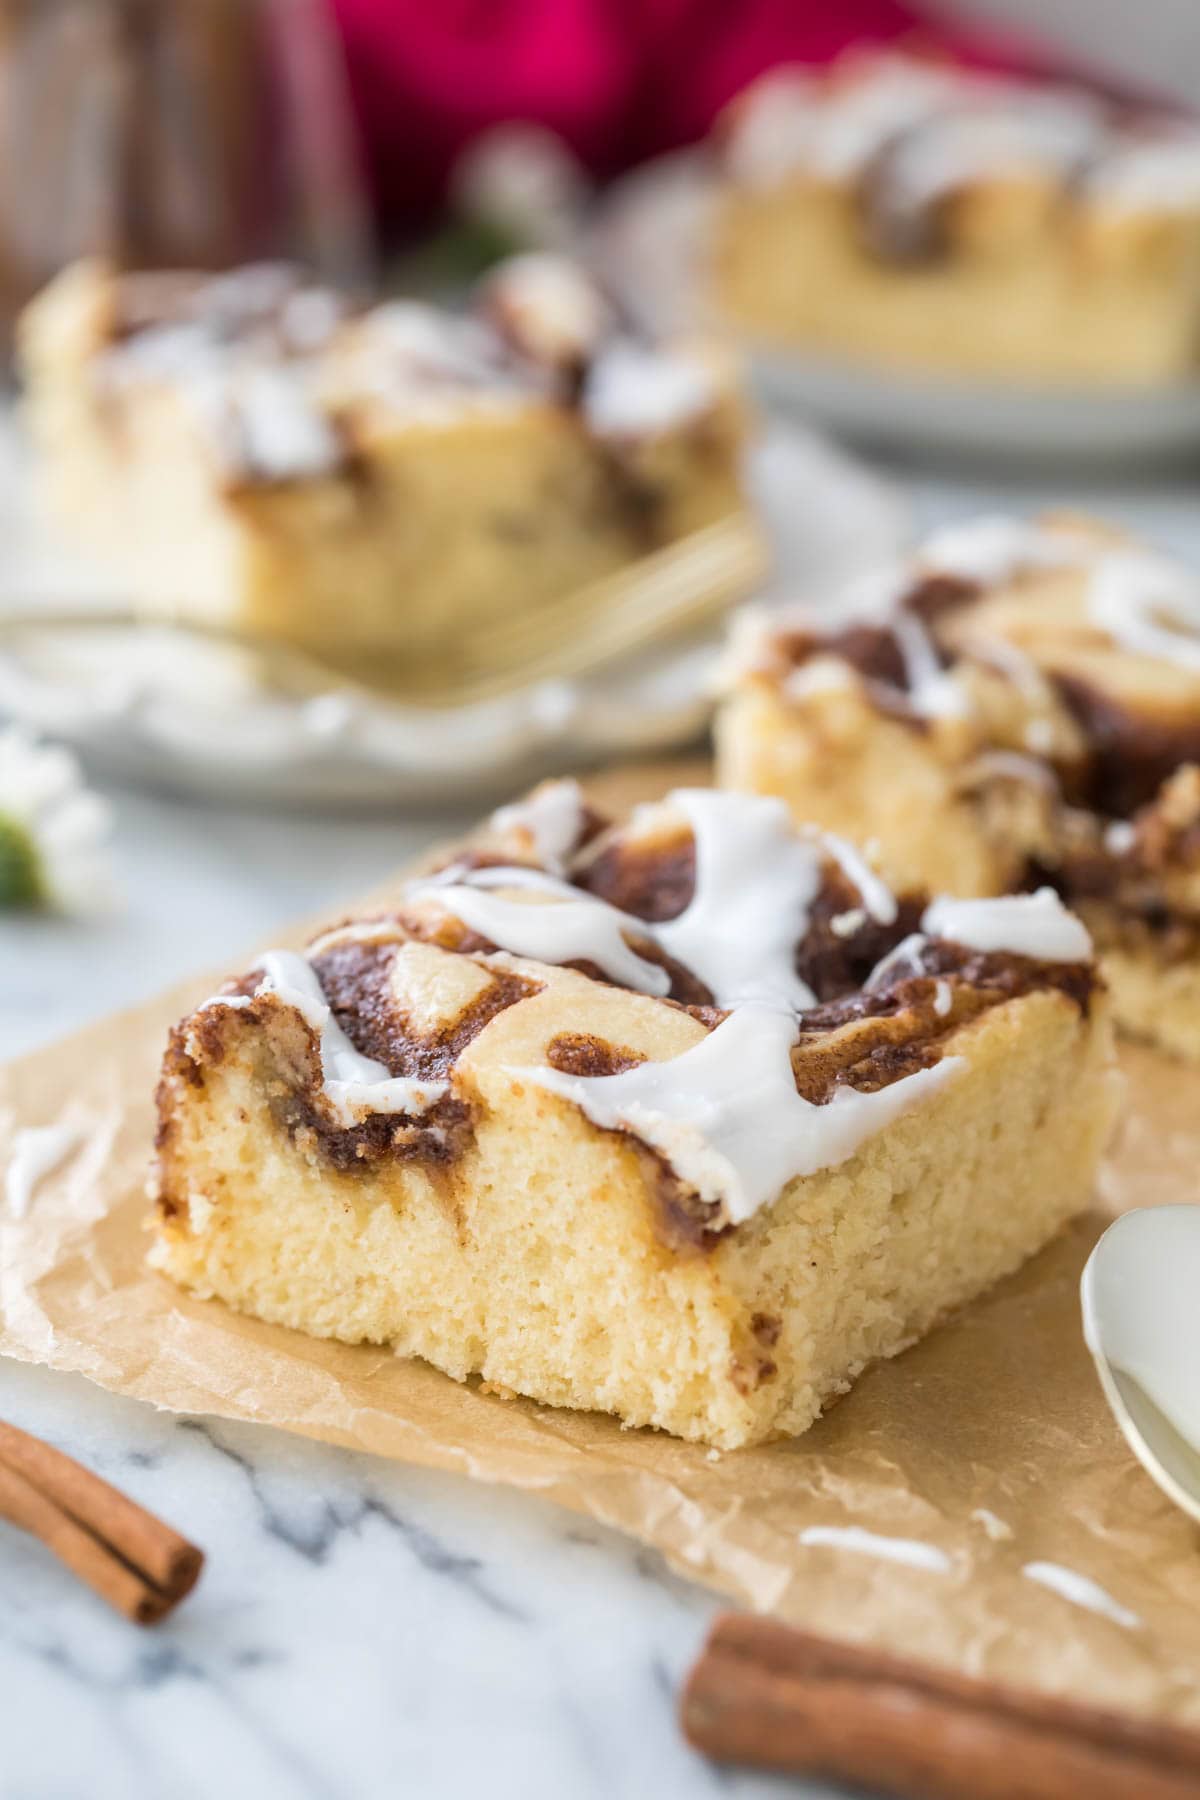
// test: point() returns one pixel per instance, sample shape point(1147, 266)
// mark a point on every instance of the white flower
point(525, 182)
point(52, 830)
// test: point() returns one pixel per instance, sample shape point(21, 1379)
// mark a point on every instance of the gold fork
point(646, 602)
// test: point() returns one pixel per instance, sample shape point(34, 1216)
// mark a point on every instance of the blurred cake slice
point(373, 485)
point(1020, 705)
point(899, 212)
point(686, 1121)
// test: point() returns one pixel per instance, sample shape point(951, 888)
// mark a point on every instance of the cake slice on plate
point(375, 485)
point(1019, 705)
point(900, 212)
point(685, 1120)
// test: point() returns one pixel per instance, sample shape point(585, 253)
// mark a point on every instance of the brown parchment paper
point(989, 1440)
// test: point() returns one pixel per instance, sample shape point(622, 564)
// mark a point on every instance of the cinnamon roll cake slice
point(685, 1119)
point(373, 484)
point(1017, 705)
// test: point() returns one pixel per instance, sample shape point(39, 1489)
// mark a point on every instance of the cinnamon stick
point(135, 1561)
point(775, 1698)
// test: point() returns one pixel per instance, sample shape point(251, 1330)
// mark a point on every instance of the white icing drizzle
point(549, 307)
point(847, 924)
point(632, 391)
point(578, 928)
point(358, 931)
point(418, 347)
point(1158, 174)
point(263, 421)
point(877, 897)
point(36, 1152)
point(1055, 132)
point(791, 121)
point(907, 953)
point(1119, 837)
point(822, 675)
point(931, 690)
point(940, 128)
point(943, 999)
point(910, 1551)
point(995, 549)
point(875, 598)
point(1020, 669)
point(1036, 925)
point(1147, 605)
point(353, 1084)
point(756, 879)
point(552, 817)
point(1080, 1590)
point(1144, 602)
point(943, 128)
point(1008, 765)
point(727, 1116)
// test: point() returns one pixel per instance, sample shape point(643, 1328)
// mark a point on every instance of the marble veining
point(362, 1628)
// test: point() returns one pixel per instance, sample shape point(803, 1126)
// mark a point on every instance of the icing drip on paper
point(553, 819)
point(726, 1114)
point(996, 1528)
point(1080, 1590)
point(36, 1152)
point(1036, 925)
point(910, 1551)
point(354, 1085)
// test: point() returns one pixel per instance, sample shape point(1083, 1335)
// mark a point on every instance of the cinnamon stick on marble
point(133, 1560)
point(775, 1698)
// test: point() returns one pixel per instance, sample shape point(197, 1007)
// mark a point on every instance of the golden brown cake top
point(740, 1001)
point(909, 136)
point(287, 380)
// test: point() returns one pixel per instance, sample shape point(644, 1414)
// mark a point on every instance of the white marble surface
point(363, 1629)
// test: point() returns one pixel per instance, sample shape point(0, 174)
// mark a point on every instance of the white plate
point(652, 241)
point(155, 706)
point(898, 413)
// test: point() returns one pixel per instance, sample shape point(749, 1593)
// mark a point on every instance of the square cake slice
point(899, 212)
point(686, 1120)
point(374, 485)
point(1020, 705)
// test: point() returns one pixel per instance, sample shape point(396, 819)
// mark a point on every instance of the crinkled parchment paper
point(989, 1440)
